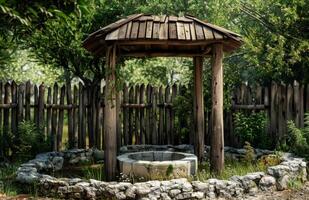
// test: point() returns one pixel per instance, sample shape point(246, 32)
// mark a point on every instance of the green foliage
point(269, 160)
point(169, 170)
point(295, 183)
point(251, 127)
point(297, 140)
point(250, 155)
point(232, 167)
point(93, 173)
point(29, 142)
point(8, 184)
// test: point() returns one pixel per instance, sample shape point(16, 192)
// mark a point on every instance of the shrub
point(29, 142)
point(249, 155)
point(251, 127)
point(297, 140)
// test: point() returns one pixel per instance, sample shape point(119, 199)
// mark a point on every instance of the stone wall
point(276, 178)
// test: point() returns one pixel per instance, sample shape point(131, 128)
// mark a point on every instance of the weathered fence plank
point(145, 114)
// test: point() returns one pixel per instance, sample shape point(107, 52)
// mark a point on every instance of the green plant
point(251, 127)
point(297, 140)
point(232, 167)
point(169, 170)
point(93, 172)
point(294, 183)
point(249, 155)
point(29, 141)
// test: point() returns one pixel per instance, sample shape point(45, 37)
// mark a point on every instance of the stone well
point(154, 164)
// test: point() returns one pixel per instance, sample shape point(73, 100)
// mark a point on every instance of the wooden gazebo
point(143, 35)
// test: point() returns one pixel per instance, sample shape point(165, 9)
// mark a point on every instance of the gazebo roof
point(150, 35)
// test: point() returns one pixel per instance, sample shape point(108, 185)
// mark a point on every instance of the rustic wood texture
point(110, 123)
point(198, 109)
point(217, 135)
point(158, 123)
point(151, 28)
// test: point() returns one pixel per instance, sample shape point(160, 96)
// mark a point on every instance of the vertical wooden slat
point(147, 117)
point(174, 133)
point(168, 115)
point(14, 109)
point(118, 121)
point(27, 100)
point(84, 114)
point(81, 141)
point(258, 94)
point(136, 116)
point(161, 136)
point(49, 113)
point(70, 115)
point(90, 126)
point(125, 115)
point(153, 116)
point(36, 102)
point(98, 118)
point(60, 119)
point(301, 106)
point(296, 103)
point(6, 115)
point(20, 107)
point(279, 115)
point(54, 122)
point(75, 118)
point(283, 110)
point(131, 115)
point(141, 112)
point(41, 103)
point(273, 111)
point(289, 103)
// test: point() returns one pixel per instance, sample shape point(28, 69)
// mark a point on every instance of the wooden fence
point(74, 114)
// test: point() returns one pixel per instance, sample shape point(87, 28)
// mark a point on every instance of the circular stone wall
point(154, 164)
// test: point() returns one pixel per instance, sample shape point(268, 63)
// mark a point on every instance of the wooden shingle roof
point(141, 33)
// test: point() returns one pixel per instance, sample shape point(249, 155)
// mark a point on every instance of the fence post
point(70, 115)
point(60, 119)
point(125, 115)
point(41, 103)
point(14, 109)
point(54, 120)
point(6, 114)
point(141, 111)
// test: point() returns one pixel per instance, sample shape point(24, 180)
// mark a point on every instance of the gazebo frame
point(144, 35)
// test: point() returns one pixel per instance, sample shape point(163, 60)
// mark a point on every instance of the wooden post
point(110, 123)
point(217, 137)
point(198, 108)
point(41, 103)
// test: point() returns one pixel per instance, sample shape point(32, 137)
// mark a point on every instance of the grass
point(7, 177)
point(231, 168)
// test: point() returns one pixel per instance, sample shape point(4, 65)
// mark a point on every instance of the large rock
point(278, 171)
point(283, 182)
point(267, 183)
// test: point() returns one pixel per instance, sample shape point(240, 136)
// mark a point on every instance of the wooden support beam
point(217, 137)
point(110, 123)
point(198, 108)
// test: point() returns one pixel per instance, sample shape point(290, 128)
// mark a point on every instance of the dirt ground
point(301, 194)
